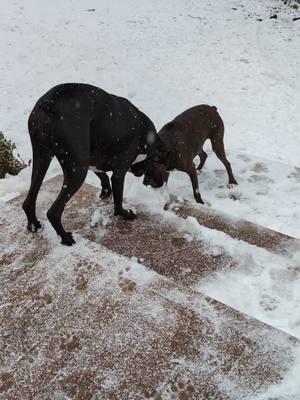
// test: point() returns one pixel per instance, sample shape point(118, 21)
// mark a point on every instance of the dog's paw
point(232, 183)
point(169, 206)
point(199, 170)
point(67, 239)
point(34, 226)
point(126, 214)
point(199, 199)
point(105, 193)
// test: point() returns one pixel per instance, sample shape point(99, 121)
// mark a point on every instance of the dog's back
point(193, 127)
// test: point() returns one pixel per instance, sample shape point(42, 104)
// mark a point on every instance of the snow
point(289, 388)
point(168, 56)
point(271, 281)
point(237, 66)
point(99, 218)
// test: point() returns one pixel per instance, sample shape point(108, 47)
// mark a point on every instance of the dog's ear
point(138, 169)
point(158, 151)
point(169, 126)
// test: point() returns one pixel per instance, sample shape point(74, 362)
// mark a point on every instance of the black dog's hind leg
point(41, 159)
point(203, 157)
point(74, 176)
point(117, 180)
point(106, 189)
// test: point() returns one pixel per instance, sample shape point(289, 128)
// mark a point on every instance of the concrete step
point(86, 323)
point(149, 238)
point(235, 227)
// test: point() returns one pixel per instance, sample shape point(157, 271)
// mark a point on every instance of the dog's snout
point(146, 181)
point(150, 181)
point(155, 184)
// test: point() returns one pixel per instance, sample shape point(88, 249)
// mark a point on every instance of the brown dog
point(181, 140)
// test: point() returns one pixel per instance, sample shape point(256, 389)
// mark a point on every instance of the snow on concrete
point(271, 281)
point(84, 307)
point(289, 388)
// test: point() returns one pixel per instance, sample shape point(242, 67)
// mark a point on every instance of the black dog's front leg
point(117, 181)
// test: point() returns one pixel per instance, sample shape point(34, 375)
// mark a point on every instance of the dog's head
point(153, 167)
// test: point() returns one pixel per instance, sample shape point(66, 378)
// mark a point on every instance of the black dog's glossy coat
point(83, 126)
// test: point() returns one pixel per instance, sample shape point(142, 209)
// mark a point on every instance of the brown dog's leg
point(194, 179)
point(218, 148)
point(203, 157)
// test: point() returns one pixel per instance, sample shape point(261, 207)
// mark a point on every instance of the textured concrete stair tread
point(83, 325)
point(236, 227)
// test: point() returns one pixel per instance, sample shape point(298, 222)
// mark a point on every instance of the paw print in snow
point(6, 381)
point(81, 282)
point(126, 285)
point(180, 390)
point(69, 343)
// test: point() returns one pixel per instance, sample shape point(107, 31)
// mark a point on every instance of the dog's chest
point(94, 168)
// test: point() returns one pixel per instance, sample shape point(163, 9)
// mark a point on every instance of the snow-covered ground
point(167, 56)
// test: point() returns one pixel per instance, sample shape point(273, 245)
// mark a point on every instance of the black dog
point(180, 141)
point(85, 128)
